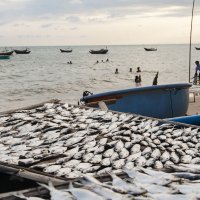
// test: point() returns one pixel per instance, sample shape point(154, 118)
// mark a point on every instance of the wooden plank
point(107, 102)
point(103, 98)
point(103, 106)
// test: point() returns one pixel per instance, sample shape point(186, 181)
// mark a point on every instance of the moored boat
point(25, 51)
point(101, 51)
point(160, 101)
point(6, 53)
point(197, 48)
point(150, 49)
point(65, 50)
point(4, 57)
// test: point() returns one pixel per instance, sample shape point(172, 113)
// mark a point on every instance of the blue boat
point(4, 57)
point(159, 101)
point(192, 119)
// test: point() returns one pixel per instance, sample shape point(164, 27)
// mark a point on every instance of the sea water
point(45, 73)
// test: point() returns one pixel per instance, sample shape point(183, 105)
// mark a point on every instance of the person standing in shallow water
point(136, 81)
point(116, 71)
point(139, 80)
point(138, 69)
point(197, 68)
point(155, 80)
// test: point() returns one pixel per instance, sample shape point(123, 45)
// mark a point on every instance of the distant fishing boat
point(197, 48)
point(65, 50)
point(101, 51)
point(4, 57)
point(6, 53)
point(160, 101)
point(150, 49)
point(25, 51)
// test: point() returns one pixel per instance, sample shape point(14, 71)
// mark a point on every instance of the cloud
point(73, 19)
point(46, 25)
point(73, 9)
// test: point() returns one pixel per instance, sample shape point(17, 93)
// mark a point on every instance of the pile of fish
point(139, 183)
point(68, 141)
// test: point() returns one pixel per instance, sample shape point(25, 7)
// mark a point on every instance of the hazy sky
point(103, 22)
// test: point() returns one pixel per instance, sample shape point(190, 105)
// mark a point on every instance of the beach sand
point(194, 106)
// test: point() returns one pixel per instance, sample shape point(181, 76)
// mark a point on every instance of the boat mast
point(191, 39)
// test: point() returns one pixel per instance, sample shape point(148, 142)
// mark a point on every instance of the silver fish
point(135, 149)
point(165, 156)
point(156, 154)
point(103, 141)
point(105, 162)
point(91, 169)
point(133, 157)
point(104, 170)
point(57, 194)
point(141, 161)
point(71, 164)
point(78, 154)
point(99, 150)
point(96, 159)
point(52, 168)
point(63, 171)
point(83, 194)
point(118, 164)
point(114, 157)
point(130, 188)
point(72, 141)
point(150, 162)
point(186, 159)
point(108, 153)
point(88, 157)
point(123, 153)
point(158, 165)
point(118, 146)
point(70, 153)
point(83, 166)
point(174, 158)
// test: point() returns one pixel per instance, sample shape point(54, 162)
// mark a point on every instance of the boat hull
point(102, 51)
point(4, 57)
point(65, 51)
point(22, 51)
point(193, 119)
point(163, 101)
point(7, 53)
point(150, 49)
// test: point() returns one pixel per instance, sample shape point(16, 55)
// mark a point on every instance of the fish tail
point(20, 195)
point(44, 185)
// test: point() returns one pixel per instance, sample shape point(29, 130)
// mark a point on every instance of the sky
point(97, 22)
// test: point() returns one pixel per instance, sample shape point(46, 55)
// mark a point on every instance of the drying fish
point(146, 179)
point(82, 194)
point(71, 163)
point(130, 188)
point(52, 168)
point(108, 153)
point(57, 194)
point(83, 166)
point(72, 141)
point(118, 146)
point(118, 164)
point(63, 171)
point(27, 198)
